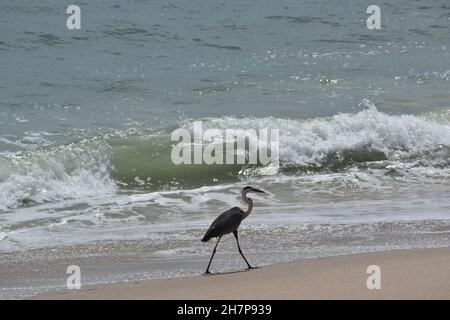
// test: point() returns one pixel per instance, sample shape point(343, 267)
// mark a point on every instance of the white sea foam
point(66, 172)
point(304, 142)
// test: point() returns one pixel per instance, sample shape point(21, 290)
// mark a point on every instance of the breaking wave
point(367, 139)
point(70, 171)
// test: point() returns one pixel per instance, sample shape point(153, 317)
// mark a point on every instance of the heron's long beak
point(257, 190)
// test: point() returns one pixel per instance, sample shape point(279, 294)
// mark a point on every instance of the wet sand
point(404, 274)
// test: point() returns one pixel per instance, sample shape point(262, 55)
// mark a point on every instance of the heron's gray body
point(226, 223)
point(229, 222)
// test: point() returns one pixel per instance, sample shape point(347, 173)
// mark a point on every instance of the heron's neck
point(250, 205)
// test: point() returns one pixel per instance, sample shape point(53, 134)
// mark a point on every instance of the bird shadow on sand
point(229, 272)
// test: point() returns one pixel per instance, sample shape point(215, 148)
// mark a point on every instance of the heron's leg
point(239, 248)
point(212, 256)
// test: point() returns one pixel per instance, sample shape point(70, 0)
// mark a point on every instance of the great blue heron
point(229, 222)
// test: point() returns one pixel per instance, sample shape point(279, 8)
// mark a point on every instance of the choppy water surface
point(86, 117)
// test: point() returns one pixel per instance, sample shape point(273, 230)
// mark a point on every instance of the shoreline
point(30, 272)
point(404, 274)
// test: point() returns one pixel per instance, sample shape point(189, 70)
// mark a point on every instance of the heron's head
point(251, 189)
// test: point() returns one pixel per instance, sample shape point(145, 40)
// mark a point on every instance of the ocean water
point(364, 119)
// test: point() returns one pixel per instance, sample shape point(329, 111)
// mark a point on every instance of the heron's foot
point(250, 267)
point(206, 273)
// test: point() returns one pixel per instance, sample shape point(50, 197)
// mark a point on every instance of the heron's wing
point(226, 223)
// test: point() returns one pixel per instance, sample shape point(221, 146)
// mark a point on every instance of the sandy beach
point(405, 274)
